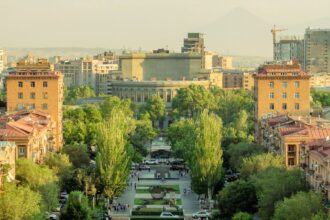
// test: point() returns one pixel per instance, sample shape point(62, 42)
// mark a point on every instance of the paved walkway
point(189, 200)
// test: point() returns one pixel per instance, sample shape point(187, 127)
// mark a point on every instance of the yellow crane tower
point(274, 30)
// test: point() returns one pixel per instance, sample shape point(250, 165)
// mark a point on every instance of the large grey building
point(317, 53)
point(289, 48)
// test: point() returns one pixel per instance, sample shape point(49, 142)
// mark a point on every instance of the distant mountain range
point(238, 33)
point(241, 32)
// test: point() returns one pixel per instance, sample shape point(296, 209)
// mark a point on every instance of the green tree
point(206, 156)
point(33, 175)
point(237, 196)
point(18, 203)
point(237, 152)
point(49, 193)
point(78, 154)
point(93, 113)
point(112, 102)
point(76, 207)
point(192, 100)
point(257, 163)
point(155, 107)
point(242, 216)
point(112, 157)
point(274, 184)
point(181, 136)
point(303, 205)
point(320, 98)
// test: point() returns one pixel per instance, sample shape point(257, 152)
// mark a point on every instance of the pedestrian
point(138, 178)
point(135, 186)
point(149, 169)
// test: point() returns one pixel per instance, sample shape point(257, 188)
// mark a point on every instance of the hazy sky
point(133, 23)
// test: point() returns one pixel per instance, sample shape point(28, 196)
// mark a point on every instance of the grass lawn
point(138, 201)
point(143, 189)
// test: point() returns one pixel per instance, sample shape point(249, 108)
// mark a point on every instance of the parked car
point(151, 162)
point(134, 166)
point(168, 215)
point(144, 167)
point(177, 162)
point(201, 214)
point(178, 167)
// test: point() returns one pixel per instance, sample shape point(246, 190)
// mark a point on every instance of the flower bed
point(138, 201)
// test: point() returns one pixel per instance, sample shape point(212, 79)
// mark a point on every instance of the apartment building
point(285, 135)
point(33, 133)
point(317, 51)
point(33, 86)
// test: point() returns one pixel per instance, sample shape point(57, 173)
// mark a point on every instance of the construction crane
point(274, 30)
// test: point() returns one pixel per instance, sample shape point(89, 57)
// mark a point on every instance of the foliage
point(60, 164)
point(33, 175)
point(112, 157)
point(76, 207)
point(320, 98)
point(192, 100)
point(181, 137)
point(237, 152)
point(78, 154)
point(242, 216)
point(143, 133)
point(49, 193)
point(112, 102)
point(72, 94)
point(303, 205)
point(17, 203)
point(155, 107)
point(274, 184)
point(206, 156)
point(237, 196)
point(257, 163)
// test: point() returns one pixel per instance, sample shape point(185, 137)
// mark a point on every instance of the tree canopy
point(76, 207)
point(303, 205)
point(237, 196)
point(112, 154)
point(274, 184)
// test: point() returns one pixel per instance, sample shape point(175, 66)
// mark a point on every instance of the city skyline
point(120, 26)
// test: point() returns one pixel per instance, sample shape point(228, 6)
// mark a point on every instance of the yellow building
point(35, 87)
point(226, 63)
point(280, 89)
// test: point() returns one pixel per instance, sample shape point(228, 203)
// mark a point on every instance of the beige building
point(236, 79)
point(284, 135)
point(159, 66)
point(33, 86)
point(315, 161)
point(225, 62)
point(320, 80)
point(33, 133)
point(7, 162)
point(84, 71)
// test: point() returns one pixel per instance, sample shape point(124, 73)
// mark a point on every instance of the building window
point(20, 95)
point(20, 84)
point(296, 106)
point(20, 106)
point(284, 84)
point(32, 95)
point(32, 106)
point(271, 106)
point(45, 106)
point(296, 95)
point(284, 106)
point(168, 96)
point(297, 84)
point(291, 162)
point(21, 151)
point(45, 84)
point(271, 84)
point(284, 95)
point(271, 95)
point(45, 95)
point(33, 84)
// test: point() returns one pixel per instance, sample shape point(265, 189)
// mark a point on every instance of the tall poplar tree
point(206, 160)
point(112, 156)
